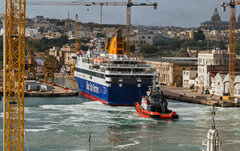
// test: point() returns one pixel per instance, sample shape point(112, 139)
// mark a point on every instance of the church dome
point(215, 17)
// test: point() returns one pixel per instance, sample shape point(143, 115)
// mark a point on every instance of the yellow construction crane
point(128, 4)
point(232, 40)
point(50, 66)
point(128, 24)
point(89, 4)
point(14, 68)
point(31, 74)
point(78, 43)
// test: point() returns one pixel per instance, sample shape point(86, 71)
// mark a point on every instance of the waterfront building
point(237, 86)
point(170, 69)
point(206, 59)
point(189, 78)
point(217, 84)
point(220, 84)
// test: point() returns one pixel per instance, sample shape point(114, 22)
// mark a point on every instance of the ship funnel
point(116, 47)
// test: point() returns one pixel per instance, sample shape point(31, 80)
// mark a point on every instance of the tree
point(149, 49)
point(45, 43)
point(183, 53)
point(237, 48)
point(198, 35)
point(1, 48)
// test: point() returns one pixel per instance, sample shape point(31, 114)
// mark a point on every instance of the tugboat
point(155, 106)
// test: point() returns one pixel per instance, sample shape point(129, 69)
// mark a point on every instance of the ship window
point(119, 45)
point(91, 73)
point(119, 52)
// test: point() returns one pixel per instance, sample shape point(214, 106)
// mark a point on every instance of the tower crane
point(128, 4)
point(31, 65)
point(128, 24)
point(78, 43)
point(232, 39)
point(14, 68)
point(50, 66)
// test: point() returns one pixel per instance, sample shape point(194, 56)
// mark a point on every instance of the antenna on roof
point(68, 14)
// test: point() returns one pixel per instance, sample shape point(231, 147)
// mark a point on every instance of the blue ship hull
point(128, 94)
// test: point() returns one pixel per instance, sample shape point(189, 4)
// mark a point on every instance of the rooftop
point(174, 60)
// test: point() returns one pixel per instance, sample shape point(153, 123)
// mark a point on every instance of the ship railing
point(129, 73)
point(127, 65)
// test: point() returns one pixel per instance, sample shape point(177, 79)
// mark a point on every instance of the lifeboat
point(154, 106)
point(99, 60)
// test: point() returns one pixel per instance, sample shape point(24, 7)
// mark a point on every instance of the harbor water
point(64, 124)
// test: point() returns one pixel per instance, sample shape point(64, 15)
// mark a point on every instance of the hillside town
point(146, 75)
point(203, 69)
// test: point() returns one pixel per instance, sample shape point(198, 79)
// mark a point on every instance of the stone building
point(170, 69)
point(63, 55)
point(220, 84)
point(217, 84)
point(189, 78)
point(57, 53)
point(216, 23)
point(67, 52)
point(206, 59)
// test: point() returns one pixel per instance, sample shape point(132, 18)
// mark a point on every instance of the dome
point(215, 17)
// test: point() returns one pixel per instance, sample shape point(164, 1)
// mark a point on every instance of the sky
point(183, 13)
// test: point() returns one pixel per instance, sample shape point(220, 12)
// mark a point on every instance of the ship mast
point(212, 142)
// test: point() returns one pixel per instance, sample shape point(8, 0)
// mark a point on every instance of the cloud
point(185, 13)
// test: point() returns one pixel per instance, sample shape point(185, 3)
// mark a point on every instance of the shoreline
point(186, 95)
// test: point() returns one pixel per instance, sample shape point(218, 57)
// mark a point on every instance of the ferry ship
point(112, 77)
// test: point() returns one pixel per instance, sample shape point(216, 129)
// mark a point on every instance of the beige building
point(63, 55)
point(67, 52)
point(170, 69)
point(57, 53)
point(206, 59)
point(189, 78)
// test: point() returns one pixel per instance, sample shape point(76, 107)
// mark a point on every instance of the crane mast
point(231, 51)
point(78, 43)
point(14, 68)
point(232, 40)
point(128, 28)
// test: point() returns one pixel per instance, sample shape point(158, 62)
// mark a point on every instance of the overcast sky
point(184, 13)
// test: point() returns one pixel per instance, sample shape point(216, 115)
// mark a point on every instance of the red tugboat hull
point(156, 115)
